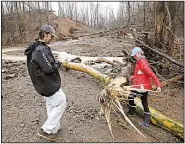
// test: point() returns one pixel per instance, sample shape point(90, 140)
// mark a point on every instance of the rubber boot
point(147, 117)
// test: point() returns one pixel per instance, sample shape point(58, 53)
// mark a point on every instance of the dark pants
point(144, 100)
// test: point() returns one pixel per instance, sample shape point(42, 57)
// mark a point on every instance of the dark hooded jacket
point(43, 69)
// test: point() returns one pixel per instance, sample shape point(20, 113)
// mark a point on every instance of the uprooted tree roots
point(110, 100)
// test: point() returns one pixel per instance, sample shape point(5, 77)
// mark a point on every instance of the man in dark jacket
point(43, 71)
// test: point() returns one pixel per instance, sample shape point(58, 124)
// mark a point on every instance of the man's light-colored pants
point(55, 106)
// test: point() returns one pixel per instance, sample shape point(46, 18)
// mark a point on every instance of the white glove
point(158, 89)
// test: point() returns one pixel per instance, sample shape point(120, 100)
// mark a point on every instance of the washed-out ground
point(23, 110)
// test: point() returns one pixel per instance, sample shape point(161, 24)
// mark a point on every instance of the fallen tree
point(173, 79)
point(105, 31)
point(103, 64)
point(64, 56)
point(116, 90)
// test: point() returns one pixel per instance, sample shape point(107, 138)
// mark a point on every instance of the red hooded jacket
point(143, 75)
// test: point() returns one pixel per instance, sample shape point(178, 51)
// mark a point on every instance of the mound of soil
point(32, 21)
point(66, 27)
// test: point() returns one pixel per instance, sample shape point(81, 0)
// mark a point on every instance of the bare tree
point(120, 14)
point(159, 24)
point(47, 11)
point(129, 20)
point(61, 9)
point(112, 19)
point(144, 5)
point(19, 18)
point(76, 14)
point(171, 9)
point(24, 7)
point(165, 25)
point(97, 14)
point(91, 13)
point(167, 15)
point(87, 15)
point(3, 18)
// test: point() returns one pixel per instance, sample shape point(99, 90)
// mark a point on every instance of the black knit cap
point(49, 28)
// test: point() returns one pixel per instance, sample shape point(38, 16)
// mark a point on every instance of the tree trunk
point(47, 14)
point(39, 12)
point(160, 25)
point(129, 21)
point(18, 18)
point(97, 16)
point(87, 69)
point(85, 59)
point(144, 14)
point(172, 11)
point(3, 19)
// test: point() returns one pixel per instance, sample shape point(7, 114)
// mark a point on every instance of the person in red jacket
point(142, 81)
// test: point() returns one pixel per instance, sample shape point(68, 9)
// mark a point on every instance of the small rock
point(122, 125)
point(43, 102)
point(166, 90)
point(10, 76)
point(75, 117)
point(29, 83)
point(36, 122)
point(13, 61)
point(91, 116)
point(3, 71)
point(22, 125)
point(6, 62)
point(83, 75)
point(71, 131)
point(97, 118)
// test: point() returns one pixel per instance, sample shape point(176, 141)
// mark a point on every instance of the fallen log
point(117, 91)
point(100, 32)
point(99, 60)
point(64, 56)
point(87, 69)
point(173, 79)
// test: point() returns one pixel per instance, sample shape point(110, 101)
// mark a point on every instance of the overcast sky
point(103, 6)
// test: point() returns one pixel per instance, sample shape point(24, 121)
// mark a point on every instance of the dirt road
point(23, 110)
